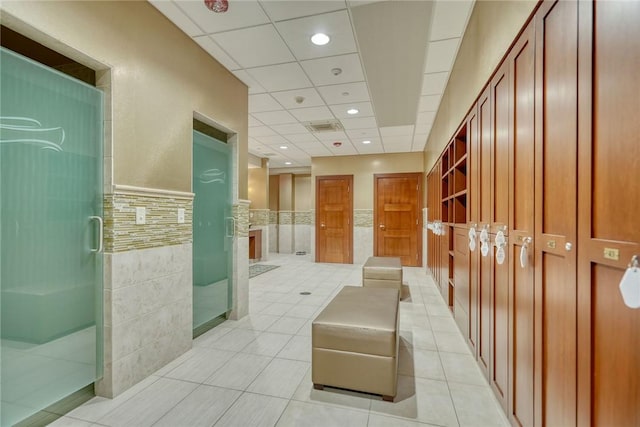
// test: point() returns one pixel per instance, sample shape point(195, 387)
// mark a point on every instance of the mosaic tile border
point(273, 217)
point(259, 217)
point(302, 218)
point(285, 217)
point(241, 215)
point(121, 233)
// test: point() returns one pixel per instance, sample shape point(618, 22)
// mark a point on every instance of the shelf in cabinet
point(459, 194)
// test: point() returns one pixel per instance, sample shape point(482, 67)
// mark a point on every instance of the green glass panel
point(50, 279)
point(212, 228)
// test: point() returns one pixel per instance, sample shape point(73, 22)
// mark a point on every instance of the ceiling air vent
point(323, 126)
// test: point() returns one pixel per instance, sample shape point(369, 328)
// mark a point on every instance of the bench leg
point(318, 386)
point(387, 398)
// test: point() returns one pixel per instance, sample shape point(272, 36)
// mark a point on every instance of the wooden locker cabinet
point(555, 213)
point(608, 197)
point(521, 229)
point(473, 146)
point(500, 139)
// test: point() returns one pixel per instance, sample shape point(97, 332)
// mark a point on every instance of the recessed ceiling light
point(366, 142)
point(353, 111)
point(320, 39)
point(283, 147)
point(287, 163)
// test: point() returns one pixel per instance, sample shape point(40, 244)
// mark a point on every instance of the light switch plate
point(180, 215)
point(141, 216)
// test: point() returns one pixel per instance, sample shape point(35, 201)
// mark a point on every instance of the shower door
point(213, 229)
point(50, 236)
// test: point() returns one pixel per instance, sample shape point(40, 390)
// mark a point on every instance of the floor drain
point(305, 293)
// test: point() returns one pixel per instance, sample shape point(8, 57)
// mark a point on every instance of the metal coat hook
point(634, 263)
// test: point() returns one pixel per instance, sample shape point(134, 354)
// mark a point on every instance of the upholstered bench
point(355, 342)
point(382, 272)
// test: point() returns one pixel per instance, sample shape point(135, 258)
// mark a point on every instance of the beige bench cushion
point(382, 268)
point(359, 320)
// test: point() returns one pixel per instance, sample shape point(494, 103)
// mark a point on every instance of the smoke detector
point(337, 144)
point(336, 71)
point(299, 99)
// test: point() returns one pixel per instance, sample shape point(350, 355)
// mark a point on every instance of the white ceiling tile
point(426, 117)
point(434, 83)
point(450, 18)
point(440, 55)
point(214, 50)
point(280, 10)
point(288, 98)
point(345, 93)
point(396, 130)
point(331, 136)
point(423, 128)
point(419, 141)
point(395, 140)
point(397, 148)
point(258, 131)
point(254, 122)
point(281, 77)
point(263, 102)
point(241, 14)
point(276, 140)
point(429, 103)
point(365, 109)
point(318, 150)
point(374, 148)
point(320, 70)
point(346, 149)
point(359, 123)
point(246, 78)
point(359, 134)
point(290, 129)
point(177, 16)
point(275, 117)
point(420, 138)
point(254, 47)
point(312, 113)
point(297, 34)
point(302, 138)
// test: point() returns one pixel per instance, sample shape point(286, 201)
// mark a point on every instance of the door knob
point(568, 246)
point(322, 225)
point(381, 226)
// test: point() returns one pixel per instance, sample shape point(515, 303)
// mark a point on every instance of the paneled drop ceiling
point(393, 57)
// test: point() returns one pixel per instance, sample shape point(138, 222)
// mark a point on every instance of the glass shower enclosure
point(50, 236)
point(213, 229)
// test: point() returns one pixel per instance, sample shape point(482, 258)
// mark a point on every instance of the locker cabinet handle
point(472, 238)
point(524, 255)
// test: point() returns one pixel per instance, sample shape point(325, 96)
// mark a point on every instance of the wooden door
point(397, 219)
point(499, 223)
point(521, 231)
point(609, 198)
point(484, 222)
point(556, 213)
point(334, 207)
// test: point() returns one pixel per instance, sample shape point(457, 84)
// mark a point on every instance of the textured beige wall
point(159, 78)
point(363, 168)
point(285, 192)
point(258, 188)
point(274, 192)
point(302, 190)
point(492, 28)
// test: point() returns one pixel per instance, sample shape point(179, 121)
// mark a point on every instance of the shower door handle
point(100, 233)
point(231, 220)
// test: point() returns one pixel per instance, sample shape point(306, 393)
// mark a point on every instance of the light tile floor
point(256, 371)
